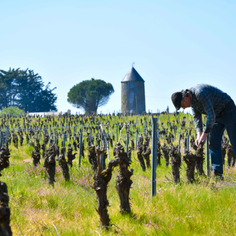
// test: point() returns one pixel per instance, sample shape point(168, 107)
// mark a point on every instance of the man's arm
point(205, 100)
point(197, 116)
point(198, 125)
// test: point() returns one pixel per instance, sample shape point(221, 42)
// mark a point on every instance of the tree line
point(25, 89)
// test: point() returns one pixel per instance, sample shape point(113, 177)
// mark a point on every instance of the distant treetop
point(90, 94)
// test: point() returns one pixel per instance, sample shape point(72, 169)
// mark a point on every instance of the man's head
point(181, 99)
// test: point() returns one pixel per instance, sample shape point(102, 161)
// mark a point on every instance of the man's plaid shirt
point(208, 100)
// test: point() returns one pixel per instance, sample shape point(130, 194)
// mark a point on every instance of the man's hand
point(201, 138)
point(197, 142)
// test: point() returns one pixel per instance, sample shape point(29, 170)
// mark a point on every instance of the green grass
point(206, 207)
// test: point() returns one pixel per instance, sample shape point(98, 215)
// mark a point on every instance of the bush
point(13, 111)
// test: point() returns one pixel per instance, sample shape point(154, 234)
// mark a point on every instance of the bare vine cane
point(175, 163)
point(123, 181)
point(190, 160)
point(200, 160)
point(5, 229)
point(101, 180)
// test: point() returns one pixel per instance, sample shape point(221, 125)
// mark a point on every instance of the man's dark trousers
point(225, 120)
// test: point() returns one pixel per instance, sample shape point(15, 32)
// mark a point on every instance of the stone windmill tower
point(133, 93)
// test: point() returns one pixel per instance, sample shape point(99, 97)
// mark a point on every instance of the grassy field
point(206, 207)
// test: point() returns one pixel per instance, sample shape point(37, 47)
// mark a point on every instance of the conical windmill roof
point(132, 75)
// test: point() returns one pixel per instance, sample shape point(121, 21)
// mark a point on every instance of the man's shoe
point(218, 175)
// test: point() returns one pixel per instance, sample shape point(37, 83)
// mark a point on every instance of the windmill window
point(131, 84)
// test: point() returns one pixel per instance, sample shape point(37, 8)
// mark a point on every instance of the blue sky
point(174, 45)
